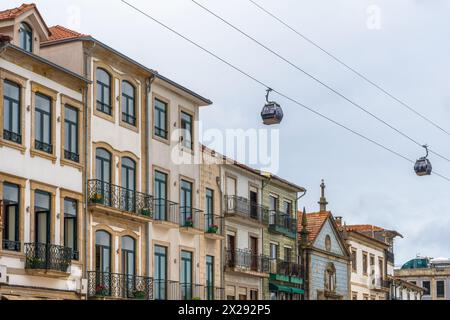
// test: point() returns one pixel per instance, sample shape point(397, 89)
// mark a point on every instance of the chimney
point(338, 221)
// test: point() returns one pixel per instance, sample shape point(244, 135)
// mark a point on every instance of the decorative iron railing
point(214, 224)
point(39, 145)
point(12, 136)
point(282, 222)
point(165, 210)
point(245, 259)
point(174, 290)
point(11, 245)
point(279, 266)
point(190, 218)
point(123, 199)
point(47, 257)
point(72, 156)
point(119, 286)
point(245, 208)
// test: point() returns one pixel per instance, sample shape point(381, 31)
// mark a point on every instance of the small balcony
point(9, 245)
point(106, 285)
point(191, 220)
point(282, 223)
point(48, 258)
point(246, 261)
point(121, 199)
point(12, 136)
point(166, 213)
point(242, 207)
point(214, 226)
point(174, 290)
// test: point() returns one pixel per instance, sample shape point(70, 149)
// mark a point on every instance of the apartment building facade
point(42, 162)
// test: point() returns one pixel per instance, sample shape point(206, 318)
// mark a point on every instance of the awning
point(277, 287)
point(297, 290)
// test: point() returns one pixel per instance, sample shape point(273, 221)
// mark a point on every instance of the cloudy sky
point(405, 49)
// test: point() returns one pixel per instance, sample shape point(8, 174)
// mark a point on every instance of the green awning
point(277, 287)
point(297, 290)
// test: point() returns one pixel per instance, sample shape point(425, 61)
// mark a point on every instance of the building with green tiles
point(280, 197)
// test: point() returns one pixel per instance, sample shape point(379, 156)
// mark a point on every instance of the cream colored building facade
point(41, 173)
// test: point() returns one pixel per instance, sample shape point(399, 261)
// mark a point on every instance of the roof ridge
point(14, 12)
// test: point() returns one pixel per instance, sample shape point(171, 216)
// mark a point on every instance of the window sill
point(7, 143)
point(129, 126)
point(42, 154)
point(65, 162)
point(160, 139)
point(104, 116)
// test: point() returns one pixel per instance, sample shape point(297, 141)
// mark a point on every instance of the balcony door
point(103, 174)
point(42, 217)
point(209, 277)
point(128, 184)
point(103, 262)
point(128, 265)
point(231, 194)
point(273, 207)
point(231, 247)
point(186, 203)
point(253, 204)
point(254, 253)
point(186, 275)
point(11, 195)
point(160, 273)
point(160, 194)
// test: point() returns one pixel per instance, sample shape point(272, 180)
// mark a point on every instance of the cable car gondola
point(423, 165)
point(271, 112)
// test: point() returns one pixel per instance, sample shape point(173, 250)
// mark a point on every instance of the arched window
point(102, 252)
point(330, 278)
point(26, 37)
point(103, 91)
point(327, 242)
point(128, 255)
point(103, 165)
point(128, 103)
point(129, 183)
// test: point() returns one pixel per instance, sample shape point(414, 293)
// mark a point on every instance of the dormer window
point(26, 37)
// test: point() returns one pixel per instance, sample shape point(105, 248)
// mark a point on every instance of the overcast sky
point(408, 54)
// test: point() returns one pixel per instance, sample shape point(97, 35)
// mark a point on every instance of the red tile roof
point(60, 33)
point(13, 13)
point(315, 221)
point(363, 228)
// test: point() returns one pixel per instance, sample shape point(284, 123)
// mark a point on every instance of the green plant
point(189, 223)
point(97, 198)
point(146, 212)
point(213, 228)
point(101, 290)
point(196, 298)
point(139, 294)
point(35, 261)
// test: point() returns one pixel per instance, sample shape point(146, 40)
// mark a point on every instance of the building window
point(426, 286)
point(253, 294)
point(186, 130)
point(11, 112)
point(160, 273)
point(273, 208)
point(328, 242)
point(26, 37)
point(274, 251)
point(186, 275)
point(287, 207)
point(128, 184)
point(186, 203)
point(209, 206)
point(287, 254)
point(354, 261)
point(102, 256)
point(330, 278)
point(440, 289)
point(42, 209)
point(103, 91)
point(70, 226)
point(354, 295)
point(160, 195)
point(209, 277)
point(43, 123)
point(128, 256)
point(365, 262)
point(160, 119)
point(71, 134)
point(11, 206)
point(128, 103)
point(381, 268)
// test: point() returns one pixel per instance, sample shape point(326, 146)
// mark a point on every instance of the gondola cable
point(274, 90)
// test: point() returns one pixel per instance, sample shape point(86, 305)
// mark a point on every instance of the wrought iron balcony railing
point(214, 224)
point(119, 286)
point(174, 290)
point(46, 147)
point(245, 259)
point(282, 223)
point(45, 256)
point(235, 205)
point(11, 245)
point(165, 210)
point(12, 136)
point(119, 198)
point(72, 156)
point(279, 266)
point(190, 217)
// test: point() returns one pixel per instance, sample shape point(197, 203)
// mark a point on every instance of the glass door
point(128, 267)
point(103, 263)
point(160, 196)
point(103, 175)
point(187, 219)
point(186, 275)
point(128, 184)
point(160, 275)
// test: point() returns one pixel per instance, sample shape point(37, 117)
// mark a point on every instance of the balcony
point(48, 258)
point(106, 285)
point(174, 290)
point(242, 207)
point(121, 199)
point(190, 220)
point(9, 245)
point(285, 268)
point(282, 223)
point(165, 213)
point(214, 227)
point(246, 261)
point(12, 136)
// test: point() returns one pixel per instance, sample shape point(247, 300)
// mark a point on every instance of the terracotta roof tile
point(13, 13)
point(60, 33)
point(315, 220)
point(363, 228)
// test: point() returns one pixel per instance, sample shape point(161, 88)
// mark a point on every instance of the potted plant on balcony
point(101, 290)
point(213, 228)
point(189, 222)
point(146, 212)
point(196, 298)
point(97, 198)
point(35, 262)
point(139, 294)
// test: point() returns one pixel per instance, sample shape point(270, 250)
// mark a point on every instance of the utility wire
point(274, 90)
point(358, 73)
point(360, 107)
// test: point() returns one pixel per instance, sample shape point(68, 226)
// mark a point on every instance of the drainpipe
point(297, 247)
point(148, 89)
point(222, 245)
